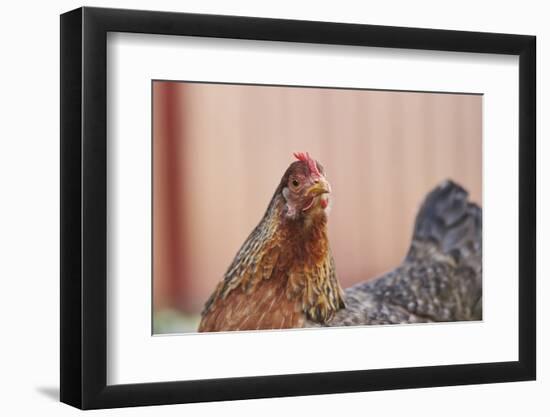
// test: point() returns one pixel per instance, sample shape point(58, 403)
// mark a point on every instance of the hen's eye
point(295, 183)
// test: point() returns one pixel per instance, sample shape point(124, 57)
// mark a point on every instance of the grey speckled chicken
point(440, 278)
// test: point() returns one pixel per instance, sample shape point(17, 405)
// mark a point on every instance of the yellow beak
point(321, 186)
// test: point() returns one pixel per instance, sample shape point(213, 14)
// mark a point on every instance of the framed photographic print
point(257, 207)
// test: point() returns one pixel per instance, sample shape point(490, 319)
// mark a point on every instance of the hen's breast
point(264, 307)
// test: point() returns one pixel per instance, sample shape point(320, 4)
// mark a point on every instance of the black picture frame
point(84, 207)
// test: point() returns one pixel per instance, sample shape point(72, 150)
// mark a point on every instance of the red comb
point(312, 165)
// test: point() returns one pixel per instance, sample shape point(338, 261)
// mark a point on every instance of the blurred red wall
point(219, 151)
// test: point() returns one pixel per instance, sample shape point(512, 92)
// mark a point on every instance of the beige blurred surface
point(220, 151)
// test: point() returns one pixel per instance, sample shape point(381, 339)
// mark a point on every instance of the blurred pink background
point(220, 151)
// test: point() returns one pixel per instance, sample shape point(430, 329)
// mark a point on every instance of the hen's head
point(305, 188)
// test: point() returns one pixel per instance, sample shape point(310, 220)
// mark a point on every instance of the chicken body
point(440, 278)
point(284, 274)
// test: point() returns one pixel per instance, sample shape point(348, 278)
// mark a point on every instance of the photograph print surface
point(283, 207)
